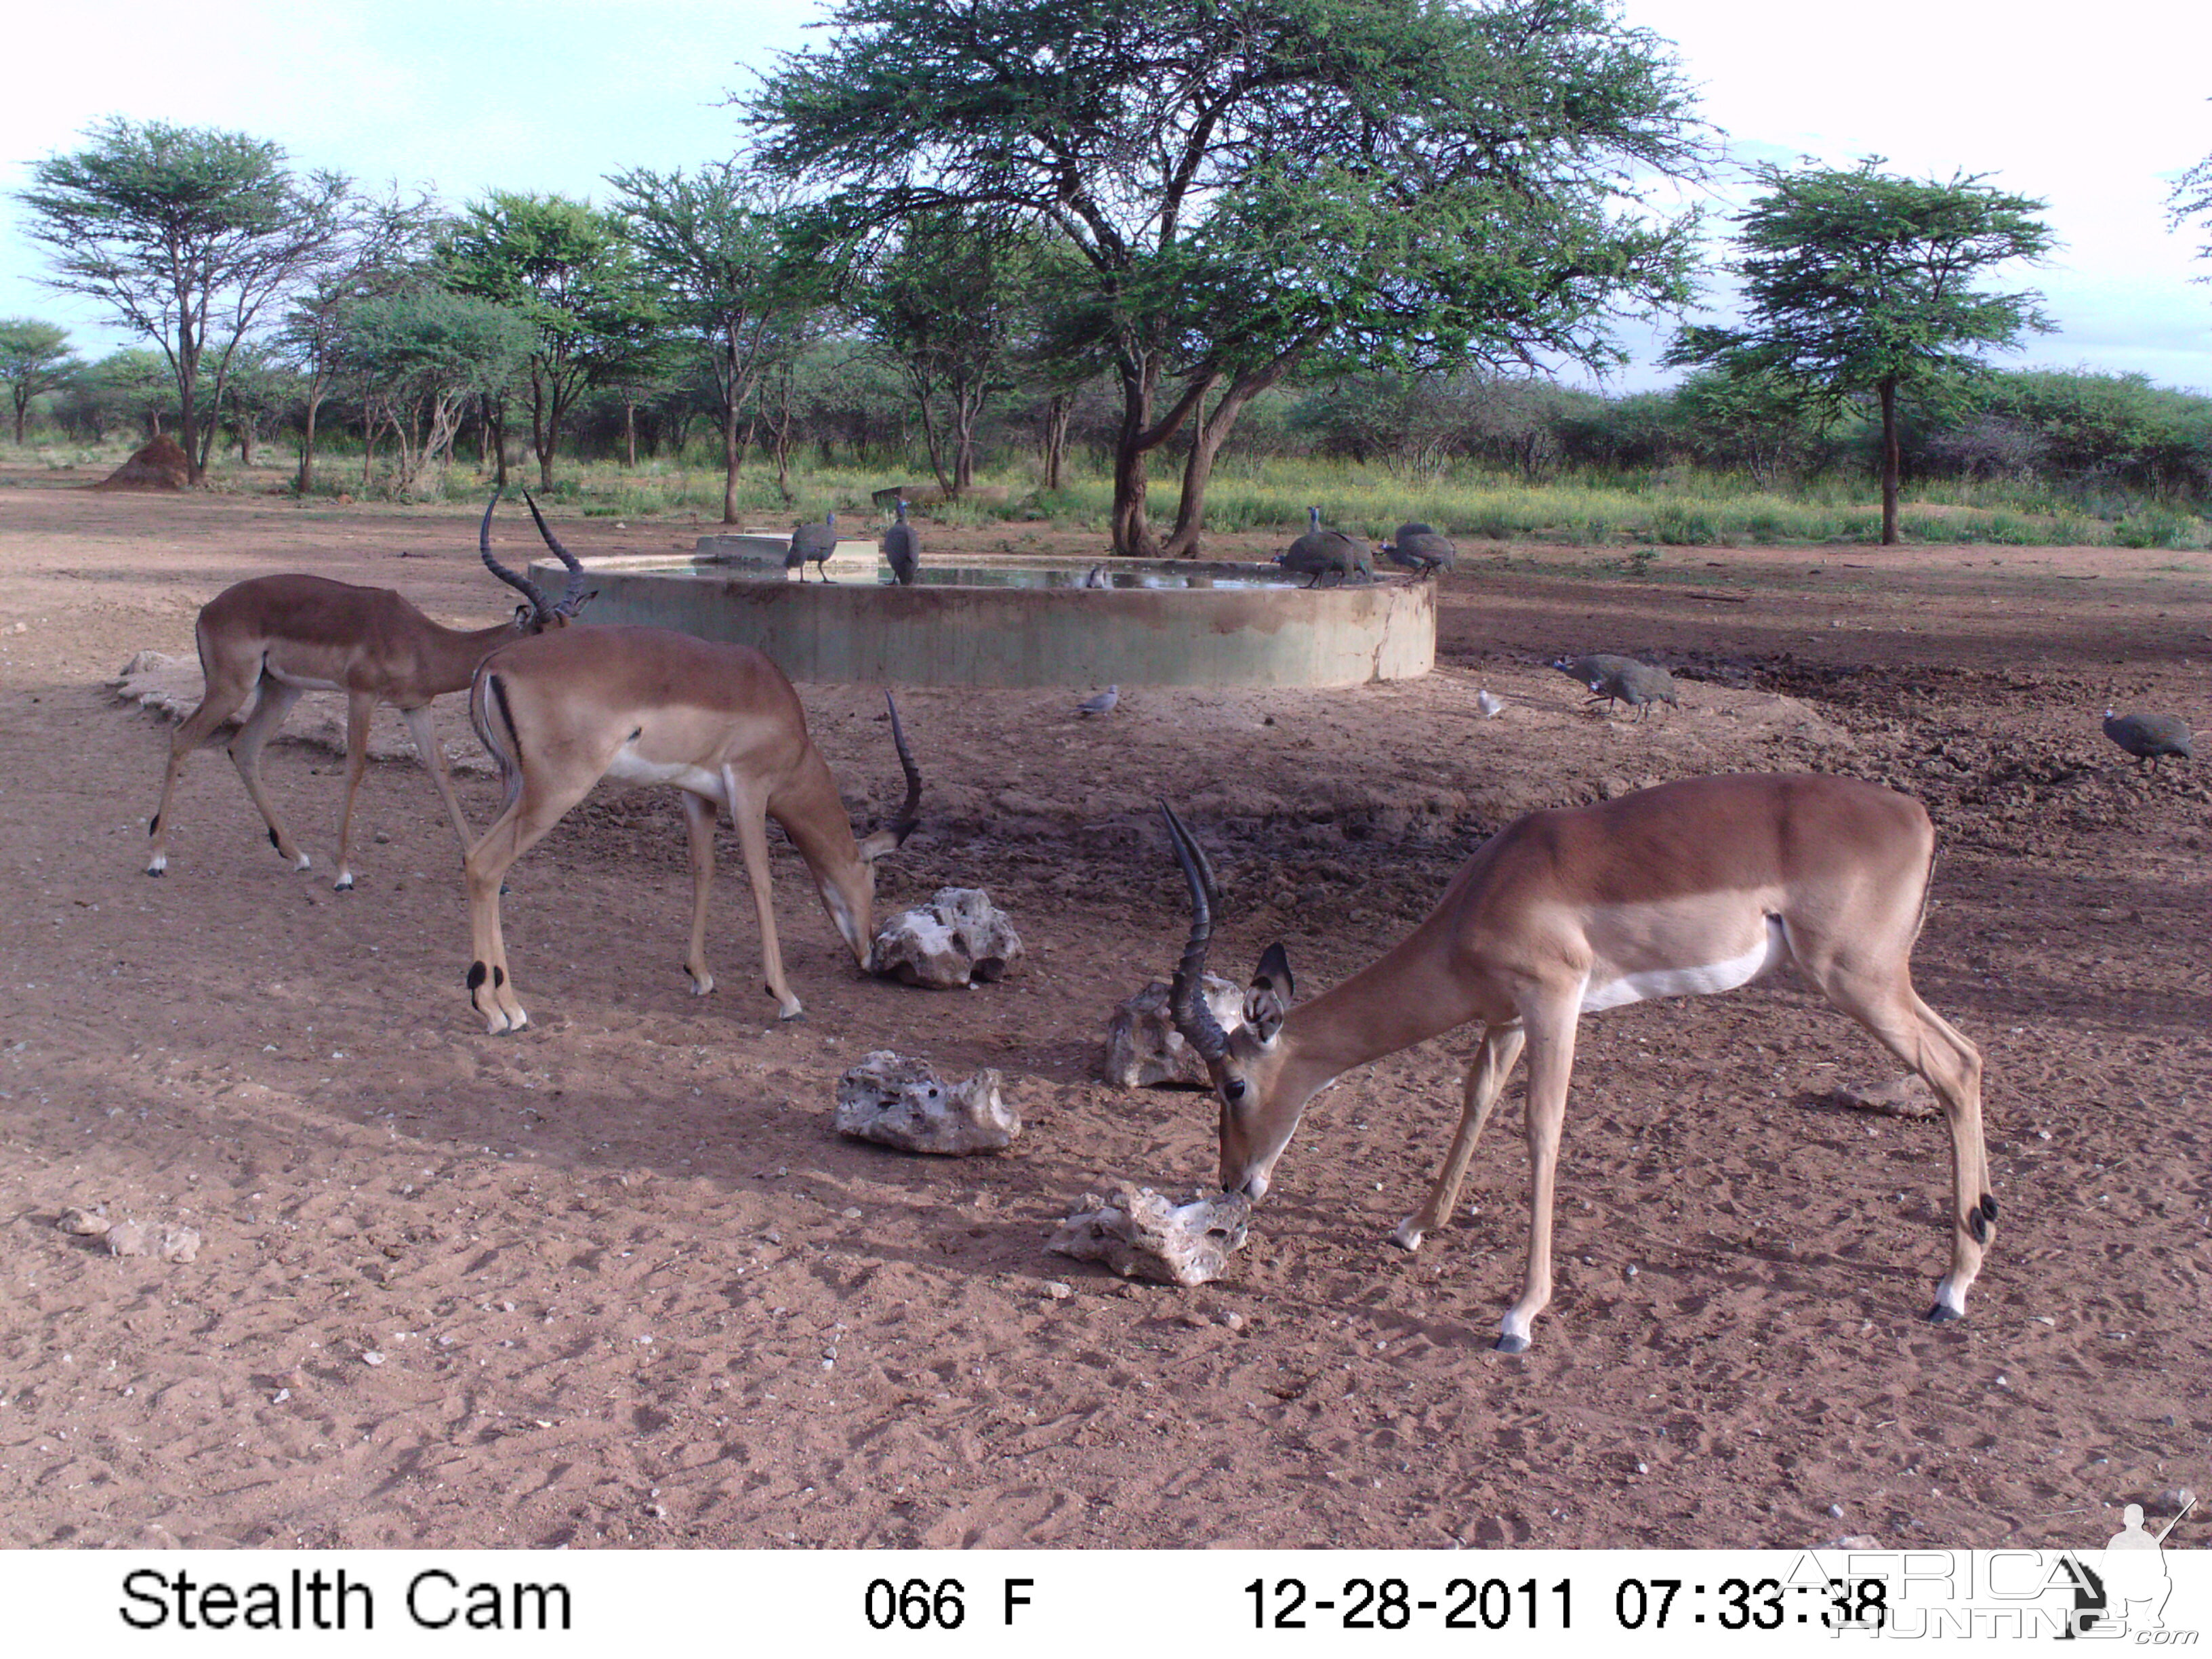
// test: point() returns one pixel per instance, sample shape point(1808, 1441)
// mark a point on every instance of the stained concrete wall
point(864, 633)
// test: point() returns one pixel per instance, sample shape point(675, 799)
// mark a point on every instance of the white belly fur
point(1693, 981)
point(298, 682)
point(628, 767)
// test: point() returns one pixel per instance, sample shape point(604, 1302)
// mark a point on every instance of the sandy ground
point(628, 1288)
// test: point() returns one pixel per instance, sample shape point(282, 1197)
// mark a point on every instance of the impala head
point(541, 612)
point(1258, 1108)
point(854, 910)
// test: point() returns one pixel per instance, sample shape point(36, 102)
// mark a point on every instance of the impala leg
point(359, 706)
point(527, 817)
point(269, 712)
point(227, 691)
point(421, 727)
point(1486, 1082)
point(699, 821)
point(750, 815)
point(1923, 1040)
point(1550, 1040)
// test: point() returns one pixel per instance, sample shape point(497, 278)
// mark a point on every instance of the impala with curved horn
point(291, 634)
point(1695, 887)
point(648, 705)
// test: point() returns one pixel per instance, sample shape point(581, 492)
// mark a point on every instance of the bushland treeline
point(2106, 446)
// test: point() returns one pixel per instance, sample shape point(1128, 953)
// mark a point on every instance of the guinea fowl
point(1621, 679)
point(1320, 551)
point(812, 543)
point(903, 547)
point(2147, 737)
point(1421, 549)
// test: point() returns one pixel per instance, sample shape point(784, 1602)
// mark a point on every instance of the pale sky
point(2096, 114)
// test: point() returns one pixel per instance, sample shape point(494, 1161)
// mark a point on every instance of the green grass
point(1671, 507)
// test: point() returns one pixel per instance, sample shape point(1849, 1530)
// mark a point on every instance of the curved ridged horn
point(529, 589)
point(1186, 997)
point(902, 823)
point(573, 600)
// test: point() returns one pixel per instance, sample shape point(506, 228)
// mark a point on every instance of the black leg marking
point(1989, 1206)
point(498, 976)
point(1977, 1224)
point(506, 718)
point(274, 843)
point(155, 828)
point(476, 976)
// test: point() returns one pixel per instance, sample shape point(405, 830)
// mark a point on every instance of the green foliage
point(1853, 279)
point(187, 234)
point(567, 270)
point(1860, 284)
point(951, 306)
point(2192, 198)
point(1390, 183)
point(34, 359)
point(417, 357)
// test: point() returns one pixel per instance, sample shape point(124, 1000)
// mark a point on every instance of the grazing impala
point(1700, 885)
point(648, 705)
point(292, 634)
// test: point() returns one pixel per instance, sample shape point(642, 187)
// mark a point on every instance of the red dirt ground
point(631, 1289)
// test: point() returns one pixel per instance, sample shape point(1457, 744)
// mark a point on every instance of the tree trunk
point(1889, 467)
point(967, 410)
point(305, 481)
point(22, 402)
point(1206, 443)
point(1132, 535)
point(541, 422)
point(629, 430)
point(188, 387)
point(1134, 443)
point(1057, 415)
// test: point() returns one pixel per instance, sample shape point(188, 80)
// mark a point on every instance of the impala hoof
point(1406, 1236)
point(156, 868)
point(342, 884)
point(1943, 1314)
point(1510, 1343)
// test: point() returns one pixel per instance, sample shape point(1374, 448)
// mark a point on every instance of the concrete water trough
point(1009, 620)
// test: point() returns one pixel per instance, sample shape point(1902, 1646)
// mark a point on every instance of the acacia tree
point(188, 234)
point(1251, 182)
point(417, 357)
point(381, 246)
point(1859, 284)
point(2192, 198)
point(566, 269)
point(34, 358)
point(947, 307)
point(730, 266)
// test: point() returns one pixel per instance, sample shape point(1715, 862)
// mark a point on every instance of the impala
point(291, 634)
point(648, 705)
point(1696, 886)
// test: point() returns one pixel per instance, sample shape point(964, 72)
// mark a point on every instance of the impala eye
point(1232, 1090)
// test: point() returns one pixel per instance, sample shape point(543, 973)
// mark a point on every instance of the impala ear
point(873, 845)
point(1270, 993)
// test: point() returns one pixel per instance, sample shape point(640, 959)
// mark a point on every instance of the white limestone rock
point(1143, 1046)
point(903, 1102)
point(1139, 1234)
point(959, 938)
